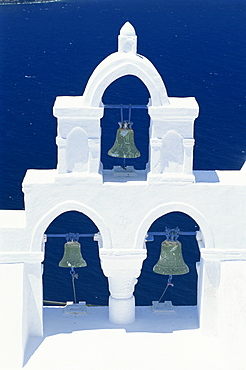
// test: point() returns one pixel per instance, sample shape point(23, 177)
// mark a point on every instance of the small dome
point(127, 30)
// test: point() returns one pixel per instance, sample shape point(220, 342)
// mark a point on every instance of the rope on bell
point(121, 113)
point(74, 276)
point(73, 237)
point(129, 113)
point(121, 120)
point(168, 284)
point(54, 303)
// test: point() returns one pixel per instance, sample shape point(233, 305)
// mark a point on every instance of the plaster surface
point(166, 339)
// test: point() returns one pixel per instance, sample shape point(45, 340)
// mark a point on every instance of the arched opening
point(151, 285)
point(92, 285)
point(125, 90)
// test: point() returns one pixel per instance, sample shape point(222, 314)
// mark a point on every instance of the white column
point(122, 267)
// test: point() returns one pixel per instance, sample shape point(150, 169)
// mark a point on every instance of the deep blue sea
point(50, 49)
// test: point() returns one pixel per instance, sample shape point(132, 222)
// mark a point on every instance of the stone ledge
point(21, 257)
point(224, 255)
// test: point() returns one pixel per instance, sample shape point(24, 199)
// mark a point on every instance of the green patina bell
point(72, 256)
point(171, 261)
point(124, 146)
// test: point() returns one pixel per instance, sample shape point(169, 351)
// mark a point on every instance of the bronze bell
point(124, 146)
point(171, 261)
point(72, 256)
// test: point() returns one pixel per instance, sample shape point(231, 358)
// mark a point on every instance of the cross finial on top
point(127, 39)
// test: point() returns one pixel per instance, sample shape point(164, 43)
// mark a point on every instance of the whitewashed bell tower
point(171, 119)
point(123, 204)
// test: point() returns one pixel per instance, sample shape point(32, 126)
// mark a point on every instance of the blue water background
point(51, 49)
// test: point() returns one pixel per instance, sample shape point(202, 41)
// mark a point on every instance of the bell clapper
point(168, 284)
point(74, 276)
